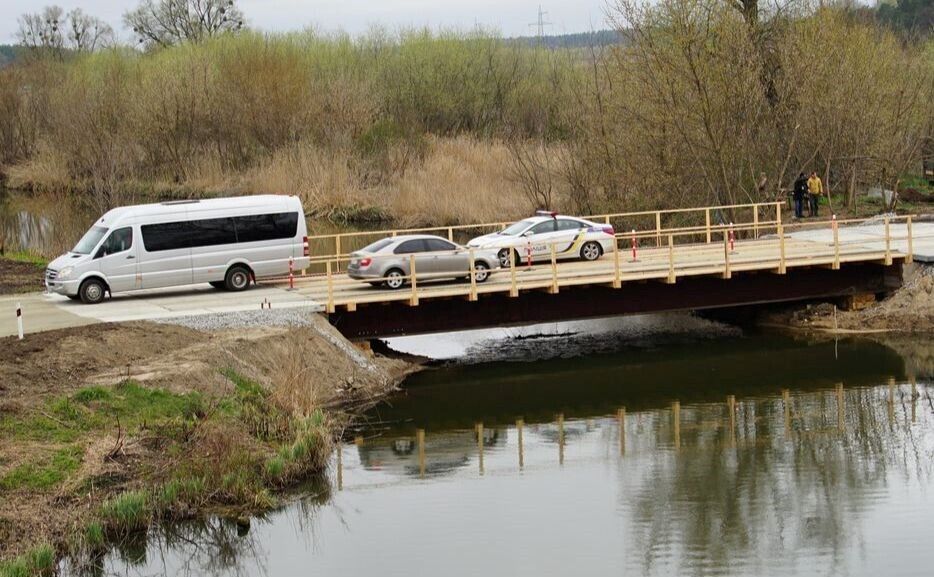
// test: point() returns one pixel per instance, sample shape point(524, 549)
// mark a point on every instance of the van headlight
point(66, 272)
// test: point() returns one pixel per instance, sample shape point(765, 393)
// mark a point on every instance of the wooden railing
point(338, 247)
point(660, 254)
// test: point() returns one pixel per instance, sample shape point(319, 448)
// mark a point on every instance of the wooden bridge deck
point(665, 260)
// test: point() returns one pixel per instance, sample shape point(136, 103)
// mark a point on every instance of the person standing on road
point(799, 191)
point(815, 190)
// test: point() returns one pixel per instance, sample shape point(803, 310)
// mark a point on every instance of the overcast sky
point(511, 17)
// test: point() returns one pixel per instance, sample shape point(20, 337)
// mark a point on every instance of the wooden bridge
point(668, 260)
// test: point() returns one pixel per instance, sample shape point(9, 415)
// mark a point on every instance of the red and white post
point(19, 320)
point(291, 274)
point(732, 238)
point(528, 254)
point(635, 245)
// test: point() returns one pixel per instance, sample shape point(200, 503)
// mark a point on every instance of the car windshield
point(378, 245)
point(90, 240)
point(516, 228)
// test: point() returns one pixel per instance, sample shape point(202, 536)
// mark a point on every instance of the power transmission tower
point(540, 24)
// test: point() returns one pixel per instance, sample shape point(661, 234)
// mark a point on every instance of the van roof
point(277, 201)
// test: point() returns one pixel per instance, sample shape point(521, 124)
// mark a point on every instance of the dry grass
point(461, 180)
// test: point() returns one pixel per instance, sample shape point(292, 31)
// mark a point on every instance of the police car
point(572, 237)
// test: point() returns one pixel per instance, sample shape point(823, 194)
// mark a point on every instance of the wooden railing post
point(755, 221)
point(726, 254)
point(781, 249)
point(413, 300)
point(910, 257)
point(658, 228)
point(778, 213)
point(330, 307)
point(451, 234)
point(554, 270)
point(473, 278)
point(888, 243)
point(671, 260)
point(606, 219)
point(836, 244)
point(513, 289)
point(337, 249)
point(617, 276)
point(707, 223)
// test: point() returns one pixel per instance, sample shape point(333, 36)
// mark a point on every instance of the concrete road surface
point(42, 312)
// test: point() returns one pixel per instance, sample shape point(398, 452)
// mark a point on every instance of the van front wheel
point(92, 291)
point(237, 278)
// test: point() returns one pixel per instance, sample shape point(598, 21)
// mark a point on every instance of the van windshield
point(90, 240)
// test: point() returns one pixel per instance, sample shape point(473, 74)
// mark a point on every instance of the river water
point(645, 446)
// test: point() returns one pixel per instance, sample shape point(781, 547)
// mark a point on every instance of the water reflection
point(641, 471)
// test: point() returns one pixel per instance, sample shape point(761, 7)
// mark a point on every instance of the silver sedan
point(387, 261)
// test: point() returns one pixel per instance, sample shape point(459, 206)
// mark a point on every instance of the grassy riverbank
point(115, 427)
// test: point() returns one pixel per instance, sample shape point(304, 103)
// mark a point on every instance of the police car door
point(569, 236)
point(542, 236)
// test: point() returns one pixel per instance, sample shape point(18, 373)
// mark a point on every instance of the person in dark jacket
point(800, 193)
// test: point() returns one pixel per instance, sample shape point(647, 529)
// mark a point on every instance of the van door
point(166, 256)
point(118, 259)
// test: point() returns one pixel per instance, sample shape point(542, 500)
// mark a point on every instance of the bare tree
point(55, 32)
point(87, 33)
point(159, 23)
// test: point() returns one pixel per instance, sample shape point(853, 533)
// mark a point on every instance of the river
point(645, 446)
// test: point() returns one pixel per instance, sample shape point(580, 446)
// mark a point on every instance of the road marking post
point(732, 238)
point(635, 245)
point(19, 320)
point(910, 257)
point(473, 278)
point(528, 254)
point(291, 274)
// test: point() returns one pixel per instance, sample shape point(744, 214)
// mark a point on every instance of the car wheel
point(503, 256)
point(591, 251)
point(481, 271)
point(237, 278)
point(395, 279)
point(218, 284)
point(92, 291)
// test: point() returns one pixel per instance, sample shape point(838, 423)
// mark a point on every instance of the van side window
point(118, 241)
point(166, 236)
point(256, 227)
point(213, 231)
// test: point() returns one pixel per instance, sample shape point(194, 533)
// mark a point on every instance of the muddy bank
point(910, 309)
point(109, 428)
point(20, 277)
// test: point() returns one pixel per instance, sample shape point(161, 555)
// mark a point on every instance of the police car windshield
point(90, 240)
point(516, 228)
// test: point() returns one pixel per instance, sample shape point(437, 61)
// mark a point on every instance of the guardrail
point(339, 246)
point(637, 256)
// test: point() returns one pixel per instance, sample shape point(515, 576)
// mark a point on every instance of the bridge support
point(689, 293)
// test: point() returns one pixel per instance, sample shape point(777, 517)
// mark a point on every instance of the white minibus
point(226, 242)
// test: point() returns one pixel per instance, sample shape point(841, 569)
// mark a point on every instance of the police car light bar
point(550, 213)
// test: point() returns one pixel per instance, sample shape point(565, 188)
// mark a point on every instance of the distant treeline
point(703, 104)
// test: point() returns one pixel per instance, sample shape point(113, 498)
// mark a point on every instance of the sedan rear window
point(378, 245)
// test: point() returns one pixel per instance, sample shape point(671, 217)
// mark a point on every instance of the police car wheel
point(503, 256)
point(591, 251)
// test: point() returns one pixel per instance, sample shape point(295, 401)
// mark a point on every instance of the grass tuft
point(38, 561)
point(127, 512)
